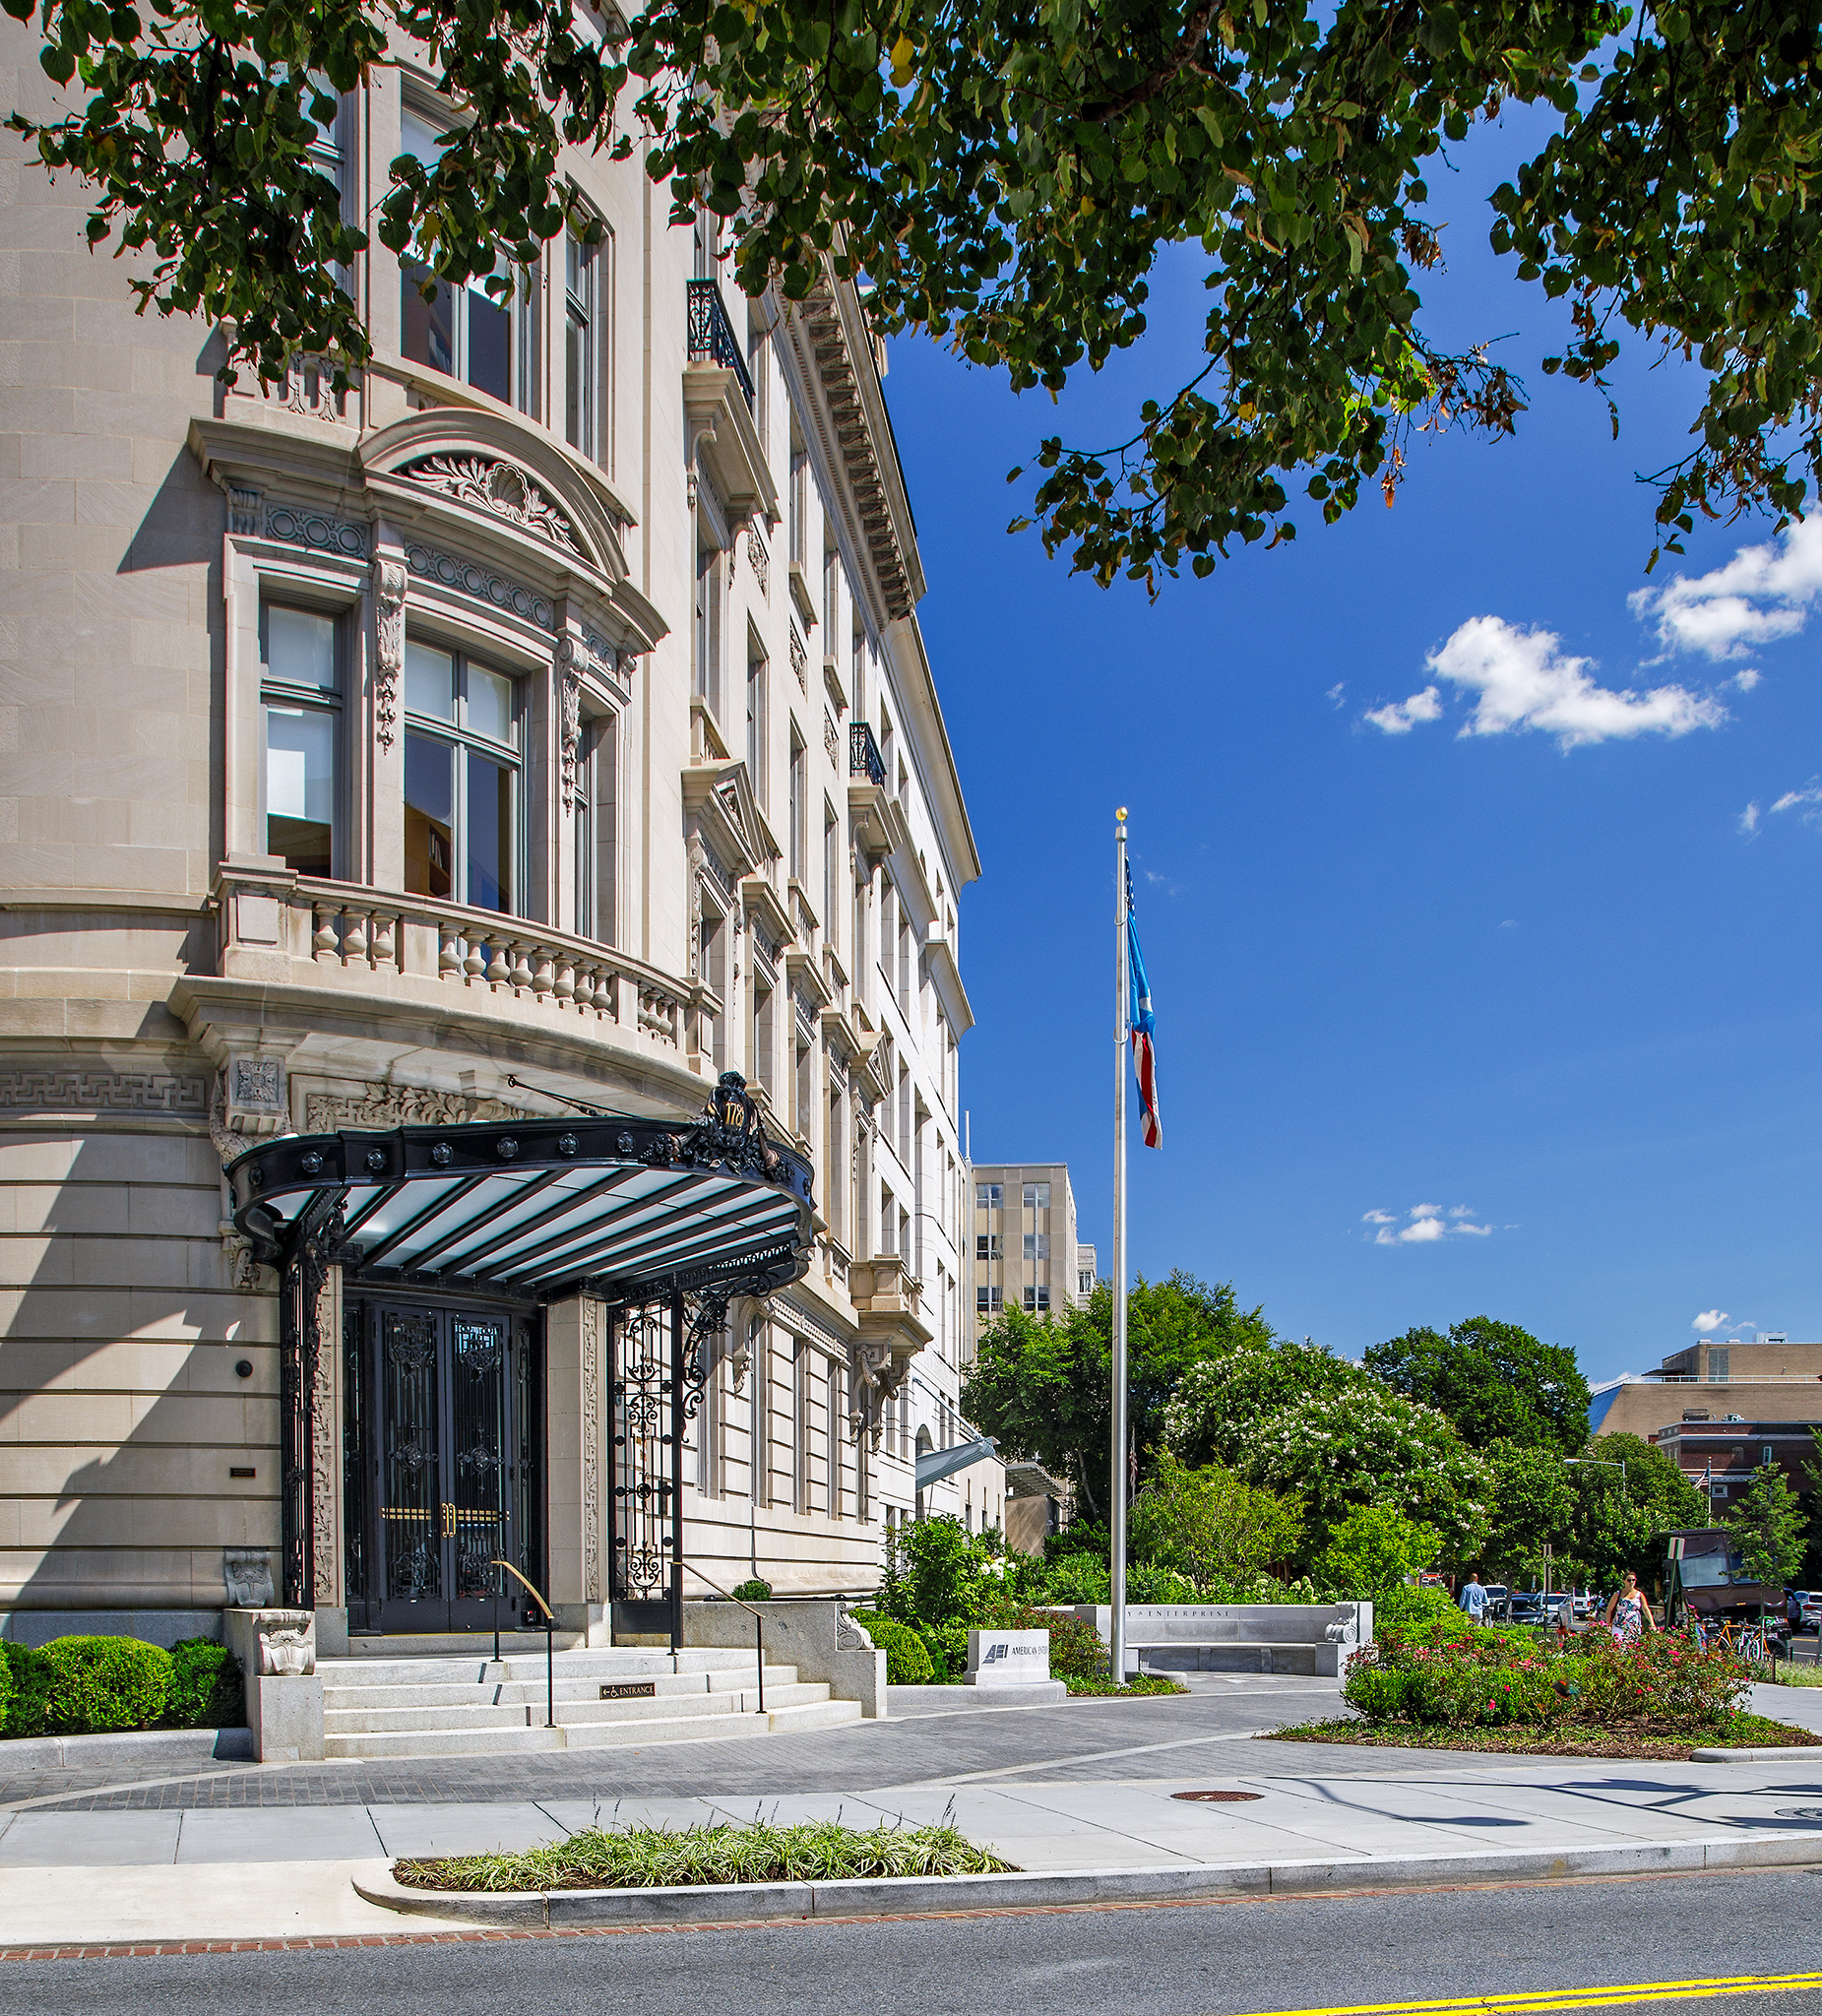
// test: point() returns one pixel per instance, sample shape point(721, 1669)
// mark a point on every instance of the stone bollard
point(276, 1651)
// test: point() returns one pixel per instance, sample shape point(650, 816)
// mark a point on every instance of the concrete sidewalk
point(261, 1872)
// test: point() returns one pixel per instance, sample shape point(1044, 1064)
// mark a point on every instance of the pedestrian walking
point(1472, 1598)
point(1628, 1614)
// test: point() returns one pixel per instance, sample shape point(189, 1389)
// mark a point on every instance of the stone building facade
point(545, 718)
point(1023, 1253)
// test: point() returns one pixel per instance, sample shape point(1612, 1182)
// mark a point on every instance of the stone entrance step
point(458, 1705)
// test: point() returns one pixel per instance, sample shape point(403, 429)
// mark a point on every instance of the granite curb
point(132, 1747)
point(1770, 1753)
point(884, 1897)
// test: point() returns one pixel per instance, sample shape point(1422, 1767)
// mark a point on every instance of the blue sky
point(1552, 976)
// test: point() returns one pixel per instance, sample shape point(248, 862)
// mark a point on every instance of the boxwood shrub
point(29, 1689)
point(205, 1686)
point(6, 1691)
point(98, 1684)
point(755, 1590)
point(908, 1663)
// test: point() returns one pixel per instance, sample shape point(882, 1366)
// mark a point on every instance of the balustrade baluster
point(354, 939)
point(522, 967)
point(544, 971)
point(474, 965)
point(448, 952)
point(385, 939)
point(564, 983)
point(499, 971)
point(324, 937)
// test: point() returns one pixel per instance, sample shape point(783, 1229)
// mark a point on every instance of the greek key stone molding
point(292, 525)
point(56, 1090)
point(402, 1105)
point(500, 487)
point(467, 578)
point(590, 1450)
point(389, 584)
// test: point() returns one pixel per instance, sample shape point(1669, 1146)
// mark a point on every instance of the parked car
point(1803, 1608)
point(1526, 1606)
point(1583, 1604)
point(1498, 1597)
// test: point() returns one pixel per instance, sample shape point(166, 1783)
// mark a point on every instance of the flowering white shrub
point(1370, 1446)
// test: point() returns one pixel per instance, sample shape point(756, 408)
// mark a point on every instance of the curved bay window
point(461, 781)
point(300, 712)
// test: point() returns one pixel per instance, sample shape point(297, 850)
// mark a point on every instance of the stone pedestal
point(1017, 1660)
point(276, 1651)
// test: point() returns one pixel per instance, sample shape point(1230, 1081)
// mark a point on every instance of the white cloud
point(1749, 819)
point(1333, 695)
point(1807, 801)
point(1399, 718)
point(1524, 679)
point(1746, 679)
point(1761, 595)
point(1423, 1225)
point(1710, 1319)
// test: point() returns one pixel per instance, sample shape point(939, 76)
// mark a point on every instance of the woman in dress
point(1628, 1614)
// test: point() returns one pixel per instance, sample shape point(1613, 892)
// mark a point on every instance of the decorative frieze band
point(397, 1106)
point(502, 488)
point(428, 564)
point(292, 525)
point(52, 1090)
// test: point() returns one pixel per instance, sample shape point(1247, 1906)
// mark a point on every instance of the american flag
point(1144, 1025)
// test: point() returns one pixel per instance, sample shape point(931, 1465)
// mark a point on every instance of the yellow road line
point(1534, 2001)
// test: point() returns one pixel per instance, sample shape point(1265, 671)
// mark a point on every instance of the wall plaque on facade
point(628, 1690)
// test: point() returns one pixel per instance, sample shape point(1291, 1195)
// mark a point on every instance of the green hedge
point(908, 1663)
point(206, 1691)
point(86, 1687)
point(755, 1590)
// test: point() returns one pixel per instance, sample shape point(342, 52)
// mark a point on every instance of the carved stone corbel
point(389, 582)
point(569, 699)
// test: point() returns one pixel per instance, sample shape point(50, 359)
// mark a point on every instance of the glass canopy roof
point(541, 1208)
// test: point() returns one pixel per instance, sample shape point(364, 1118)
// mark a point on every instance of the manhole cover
point(1799, 1812)
point(1222, 1798)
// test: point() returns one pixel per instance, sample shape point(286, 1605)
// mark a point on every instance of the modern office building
point(398, 779)
point(1024, 1254)
point(1763, 1378)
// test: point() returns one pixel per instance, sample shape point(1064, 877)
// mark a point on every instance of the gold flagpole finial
point(1119, 812)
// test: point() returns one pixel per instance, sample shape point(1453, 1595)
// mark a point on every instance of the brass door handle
point(448, 1522)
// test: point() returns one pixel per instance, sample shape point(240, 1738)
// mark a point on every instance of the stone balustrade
point(285, 926)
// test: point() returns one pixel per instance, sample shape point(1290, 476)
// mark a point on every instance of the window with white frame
point(756, 718)
point(708, 612)
point(1037, 1245)
point(798, 808)
point(581, 325)
point(1036, 1196)
point(595, 820)
point(300, 715)
point(462, 779)
point(487, 338)
point(990, 1196)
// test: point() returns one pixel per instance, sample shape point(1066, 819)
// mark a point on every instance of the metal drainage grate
point(1218, 1799)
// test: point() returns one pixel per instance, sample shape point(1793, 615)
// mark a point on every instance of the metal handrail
point(550, 1659)
point(759, 1643)
point(711, 335)
point(863, 757)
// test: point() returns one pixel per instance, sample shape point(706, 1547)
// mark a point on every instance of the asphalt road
point(1197, 1960)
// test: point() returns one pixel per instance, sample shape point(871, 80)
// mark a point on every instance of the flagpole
point(1117, 1503)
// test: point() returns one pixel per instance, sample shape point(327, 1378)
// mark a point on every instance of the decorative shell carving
point(500, 487)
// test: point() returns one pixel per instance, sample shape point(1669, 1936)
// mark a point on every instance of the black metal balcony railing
point(711, 335)
point(863, 757)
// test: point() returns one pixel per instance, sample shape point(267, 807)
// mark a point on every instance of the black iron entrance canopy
point(618, 1206)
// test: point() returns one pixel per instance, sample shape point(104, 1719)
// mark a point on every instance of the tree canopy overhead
point(1495, 1381)
point(1005, 173)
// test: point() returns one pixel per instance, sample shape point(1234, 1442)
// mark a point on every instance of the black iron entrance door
point(448, 1471)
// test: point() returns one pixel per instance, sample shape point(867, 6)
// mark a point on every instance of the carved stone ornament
point(247, 1572)
point(500, 487)
point(389, 582)
point(58, 1088)
point(288, 1644)
point(590, 1450)
point(402, 1105)
point(569, 697)
point(831, 740)
point(258, 1082)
